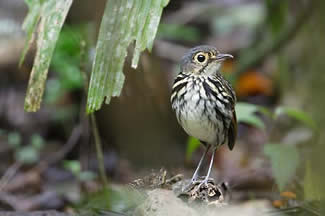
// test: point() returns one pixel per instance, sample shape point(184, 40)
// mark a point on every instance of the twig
point(98, 143)
point(255, 57)
point(99, 150)
point(59, 155)
point(9, 200)
point(27, 204)
point(9, 174)
point(35, 213)
point(23, 180)
point(29, 177)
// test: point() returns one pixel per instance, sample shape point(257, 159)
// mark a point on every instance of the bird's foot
point(204, 183)
point(206, 190)
point(198, 183)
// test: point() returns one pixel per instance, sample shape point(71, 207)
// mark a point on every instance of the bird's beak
point(222, 57)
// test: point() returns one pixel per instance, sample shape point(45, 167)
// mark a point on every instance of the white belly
point(201, 130)
point(199, 119)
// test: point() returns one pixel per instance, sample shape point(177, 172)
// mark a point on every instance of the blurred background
point(277, 73)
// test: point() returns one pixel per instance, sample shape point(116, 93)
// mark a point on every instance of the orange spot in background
point(253, 82)
point(250, 82)
point(288, 195)
point(278, 203)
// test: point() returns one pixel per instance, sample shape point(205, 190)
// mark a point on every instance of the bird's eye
point(200, 58)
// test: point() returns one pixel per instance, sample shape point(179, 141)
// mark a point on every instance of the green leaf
point(122, 23)
point(37, 141)
point(67, 57)
point(30, 24)
point(284, 162)
point(52, 16)
point(192, 145)
point(53, 91)
point(2, 131)
point(86, 176)
point(14, 139)
point(147, 28)
point(117, 199)
point(73, 166)
point(246, 113)
point(296, 114)
point(28, 155)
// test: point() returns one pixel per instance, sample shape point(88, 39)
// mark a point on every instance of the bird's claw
point(203, 183)
point(198, 183)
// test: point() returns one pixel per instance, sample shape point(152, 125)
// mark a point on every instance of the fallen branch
point(29, 203)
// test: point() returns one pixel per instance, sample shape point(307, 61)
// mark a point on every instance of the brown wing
point(232, 132)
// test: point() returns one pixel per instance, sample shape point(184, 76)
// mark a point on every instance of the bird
point(204, 102)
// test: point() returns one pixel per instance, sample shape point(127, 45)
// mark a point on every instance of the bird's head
point(203, 60)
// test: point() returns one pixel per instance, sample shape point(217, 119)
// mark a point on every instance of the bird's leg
point(206, 179)
point(195, 175)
